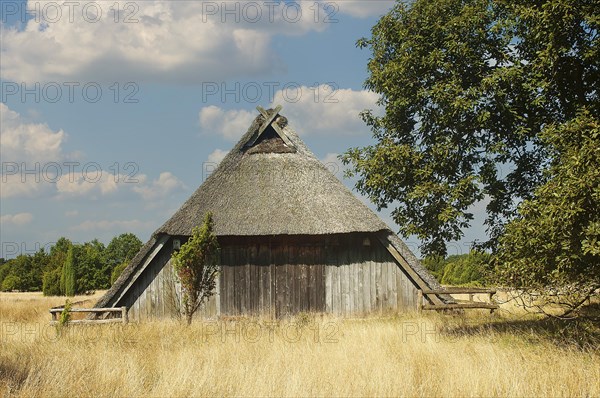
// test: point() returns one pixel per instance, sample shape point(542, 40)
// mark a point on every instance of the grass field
point(389, 355)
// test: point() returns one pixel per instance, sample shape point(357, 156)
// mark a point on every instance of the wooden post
point(419, 300)
point(124, 316)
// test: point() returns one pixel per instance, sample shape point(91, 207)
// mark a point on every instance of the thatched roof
point(271, 188)
point(270, 183)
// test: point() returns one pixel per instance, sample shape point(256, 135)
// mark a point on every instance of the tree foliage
point(117, 271)
point(468, 88)
point(122, 248)
point(552, 251)
point(93, 266)
point(68, 274)
point(470, 269)
point(196, 266)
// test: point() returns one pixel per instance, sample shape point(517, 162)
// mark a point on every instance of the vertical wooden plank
point(163, 291)
point(352, 270)
point(312, 279)
point(239, 282)
point(386, 284)
point(340, 282)
point(258, 287)
point(256, 290)
point(378, 287)
point(244, 301)
point(345, 282)
point(327, 269)
point(282, 304)
point(321, 279)
point(234, 282)
point(223, 280)
point(158, 311)
point(354, 278)
point(336, 296)
point(300, 285)
point(305, 250)
point(373, 281)
point(392, 286)
point(290, 281)
point(340, 287)
point(264, 253)
point(399, 291)
point(145, 309)
point(273, 279)
point(366, 281)
point(250, 286)
point(231, 310)
point(293, 276)
point(280, 283)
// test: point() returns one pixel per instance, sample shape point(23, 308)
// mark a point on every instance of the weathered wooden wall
point(279, 276)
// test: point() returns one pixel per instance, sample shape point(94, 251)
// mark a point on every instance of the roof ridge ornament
point(271, 120)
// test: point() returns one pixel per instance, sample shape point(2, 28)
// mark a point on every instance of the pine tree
point(68, 274)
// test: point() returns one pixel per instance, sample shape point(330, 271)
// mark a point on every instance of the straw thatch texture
point(256, 193)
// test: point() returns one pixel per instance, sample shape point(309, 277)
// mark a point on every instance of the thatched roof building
point(293, 238)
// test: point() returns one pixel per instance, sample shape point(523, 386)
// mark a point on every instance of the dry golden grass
point(393, 355)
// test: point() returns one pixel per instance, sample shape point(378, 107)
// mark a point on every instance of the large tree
point(552, 251)
point(468, 88)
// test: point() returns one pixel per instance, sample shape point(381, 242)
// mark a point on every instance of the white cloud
point(72, 213)
point(311, 110)
point(23, 141)
point(16, 219)
point(363, 8)
point(231, 124)
point(162, 187)
point(216, 156)
point(328, 110)
point(33, 165)
point(120, 225)
point(22, 186)
point(158, 40)
point(89, 184)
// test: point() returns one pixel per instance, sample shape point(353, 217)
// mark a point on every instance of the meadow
point(474, 354)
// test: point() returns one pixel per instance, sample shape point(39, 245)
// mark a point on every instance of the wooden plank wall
point(279, 276)
point(155, 294)
point(272, 278)
point(361, 279)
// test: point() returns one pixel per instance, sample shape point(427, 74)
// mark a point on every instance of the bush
point(116, 272)
point(51, 282)
point(10, 283)
point(464, 269)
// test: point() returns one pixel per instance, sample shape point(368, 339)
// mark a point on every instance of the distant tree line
point(472, 269)
point(69, 268)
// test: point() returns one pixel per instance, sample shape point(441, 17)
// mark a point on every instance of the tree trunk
point(188, 317)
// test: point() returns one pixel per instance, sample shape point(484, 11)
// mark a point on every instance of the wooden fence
point(122, 319)
point(458, 304)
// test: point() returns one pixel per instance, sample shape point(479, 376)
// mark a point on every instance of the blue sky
point(112, 112)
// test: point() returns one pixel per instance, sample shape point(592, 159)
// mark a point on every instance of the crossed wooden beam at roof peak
point(269, 119)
